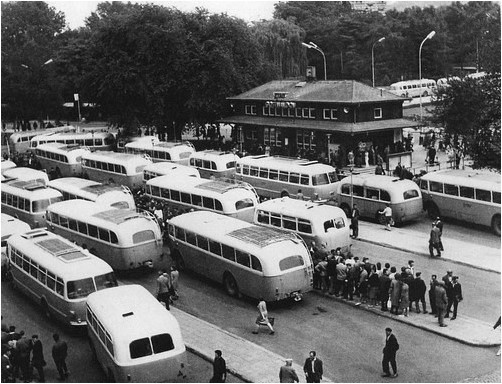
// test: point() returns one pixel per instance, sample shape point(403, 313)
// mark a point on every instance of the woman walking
point(263, 317)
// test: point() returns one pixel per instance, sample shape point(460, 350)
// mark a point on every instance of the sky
point(77, 11)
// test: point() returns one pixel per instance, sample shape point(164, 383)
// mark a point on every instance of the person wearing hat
point(439, 224)
point(434, 241)
point(287, 373)
point(456, 297)
point(441, 302)
point(389, 353)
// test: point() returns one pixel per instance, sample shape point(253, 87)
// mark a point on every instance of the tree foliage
point(471, 108)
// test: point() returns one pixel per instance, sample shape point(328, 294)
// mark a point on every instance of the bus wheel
point(432, 211)
point(284, 194)
point(346, 209)
point(496, 224)
point(230, 285)
point(45, 309)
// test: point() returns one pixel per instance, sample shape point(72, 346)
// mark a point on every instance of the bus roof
point(168, 167)
point(26, 174)
point(211, 154)
point(45, 131)
point(290, 164)
point(144, 144)
point(301, 209)
point(71, 135)
point(468, 178)
point(216, 226)
point(62, 149)
point(130, 312)
point(380, 181)
point(192, 184)
point(73, 182)
point(68, 260)
point(8, 164)
point(116, 158)
point(11, 225)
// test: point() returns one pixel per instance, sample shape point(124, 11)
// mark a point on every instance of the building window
point(266, 110)
point(311, 113)
point(272, 136)
point(334, 114)
point(253, 109)
point(277, 111)
point(305, 139)
point(251, 134)
point(378, 113)
point(250, 109)
point(305, 113)
point(284, 112)
point(298, 112)
point(291, 112)
point(330, 114)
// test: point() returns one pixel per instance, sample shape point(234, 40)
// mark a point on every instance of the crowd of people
point(21, 356)
point(398, 290)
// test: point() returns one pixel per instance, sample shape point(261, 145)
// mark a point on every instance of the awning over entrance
point(326, 126)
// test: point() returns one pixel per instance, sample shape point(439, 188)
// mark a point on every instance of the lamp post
point(429, 36)
point(373, 58)
point(311, 45)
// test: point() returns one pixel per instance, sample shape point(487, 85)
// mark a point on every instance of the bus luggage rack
point(61, 249)
point(261, 236)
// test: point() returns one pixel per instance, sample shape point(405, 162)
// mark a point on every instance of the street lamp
point(429, 36)
point(311, 45)
point(373, 58)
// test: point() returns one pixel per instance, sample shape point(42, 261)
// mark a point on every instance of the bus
point(413, 88)
point(133, 337)
point(28, 200)
point(26, 174)
point(95, 141)
point(166, 168)
point(467, 195)
point(66, 158)
point(162, 151)
point(124, 238)
point(279, 176)
point(111, 195)
point(113, 167)
point(214, 164)
point(320, 223)
point(19, 142)
point(371, 193)
point(56, 274)
point(248, 259)
point(232, 199)
point(10, 226)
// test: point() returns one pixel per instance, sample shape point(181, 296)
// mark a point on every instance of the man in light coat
point(441, 302)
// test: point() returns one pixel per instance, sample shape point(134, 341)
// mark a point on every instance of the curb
point(386, 245)
point(402, 320)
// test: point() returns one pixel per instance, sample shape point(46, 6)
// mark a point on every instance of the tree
point(29, 39)
point(471, 108)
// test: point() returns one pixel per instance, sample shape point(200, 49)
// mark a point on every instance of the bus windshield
point(41, 205)
point(80, 288)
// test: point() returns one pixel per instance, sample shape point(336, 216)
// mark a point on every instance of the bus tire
point(45, 309)
point(496, 224)
point(230, 285)
point(433, 211)
point(284, 194)
point(346, 209)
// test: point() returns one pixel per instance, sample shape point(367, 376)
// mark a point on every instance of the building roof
point(332, 91)
point(320, 125)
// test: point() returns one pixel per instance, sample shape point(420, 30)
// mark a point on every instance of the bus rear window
point(105, 281)
point(140, 348)
point(290, 262)
point(80, 288)
point(244, 203)
point(410, 194)
point(142, 236)
point(162, 343)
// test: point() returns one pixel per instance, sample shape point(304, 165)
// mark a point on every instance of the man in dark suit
point(59, 354)
point(313, 368)
point(219, 368)
point(456, 297)
point(389, 354)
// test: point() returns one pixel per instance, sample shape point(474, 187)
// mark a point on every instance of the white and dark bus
point(178, 152)
point(66, 158)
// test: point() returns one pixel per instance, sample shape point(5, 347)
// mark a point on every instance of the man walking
point(439, 224)
point(313, 368)
point(456, 297)
point(389, 353)
point(37, 358)
point(434, 240)
point(441, 302)
point(432, 294)
point(420, 289)
point(163, 286)
point(219, 368)
point(287, 374)
point(387, 213)
point(59, 354)
point(354, 221)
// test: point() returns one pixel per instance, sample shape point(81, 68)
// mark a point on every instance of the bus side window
point(104, 235)
point(289, 223)
point(179, 233)
point(275, 220)
point(273, 175)
point(255, 263)
point(59, 286)
point(213, 165)
point(496, 197)
point(215, 247)
point(242, 258)
point(245, 169)
point(34, 269)
point(175, 195)
point(155, 191)
point(208, 202)
point(304, 179)
point(206, 164)
point(423, 185)
point(197, 200)
point(436, 187)
point(51, 281)
point(164, 192)
point(191, 238)
point(82, 227)
point(483, 195)
point(358, 190)
point(467, 192)
point(294, 178)
point(217, 205)
point(384, 195)
point(253, 171)
point(42, 276)
point(304, 226)
point(263, 217)
point(450, 189)
point(372, 193)
point(264, 173)
point(202, 243)
point(185, 198)
point(228, 252)
point(113, 238)
point(283, 176)
point(73, 225)
point(93, 231)
point(346, 189)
